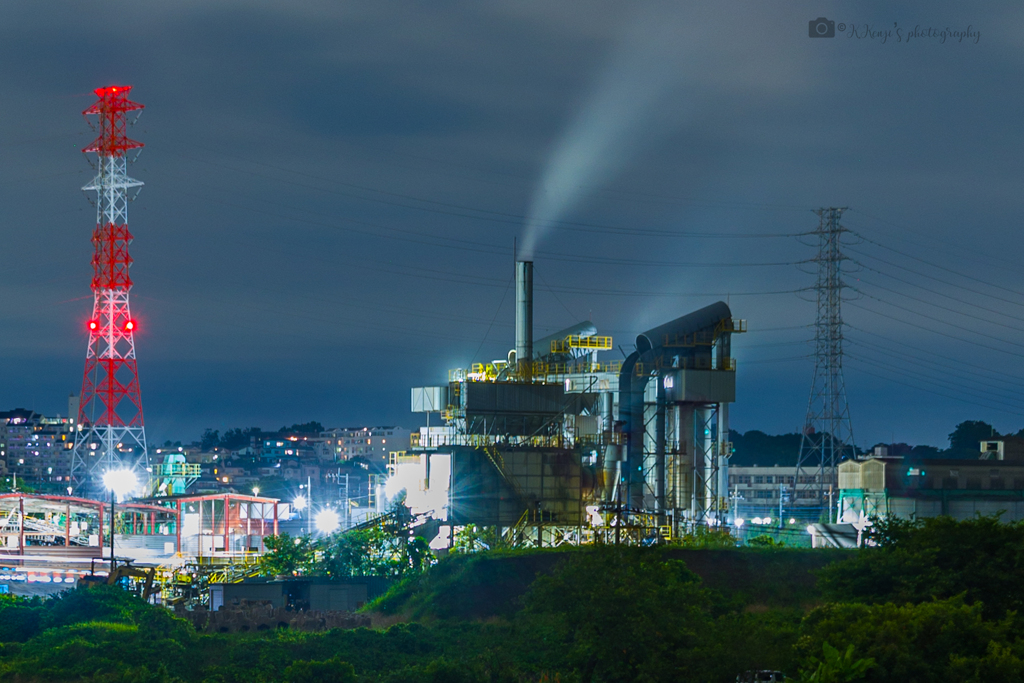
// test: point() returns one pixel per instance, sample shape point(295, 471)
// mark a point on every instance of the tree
point(906, 642)
point(936, 558)
point(235, 439)
point(209, 440)
point(836, 667)
point(966, 436)
point(312, 427)
point(331, 671)
point(288, 556)
point(372, 552)
point(618, 613)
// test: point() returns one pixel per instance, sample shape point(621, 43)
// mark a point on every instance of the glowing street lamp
point(299, 503)
point(256, 490)
point(121, 483)
point(327, 521)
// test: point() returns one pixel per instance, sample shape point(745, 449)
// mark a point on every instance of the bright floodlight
point(121, 482)
point(327, 521)
point(300, 502)
point(739, 521)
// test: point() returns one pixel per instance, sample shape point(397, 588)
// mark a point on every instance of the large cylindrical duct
point(524, 318)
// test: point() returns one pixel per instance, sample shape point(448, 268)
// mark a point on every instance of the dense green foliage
point(363, 552)
point(938, 558)
point(936, 600)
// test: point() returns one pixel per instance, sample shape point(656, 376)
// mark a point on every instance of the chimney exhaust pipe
point(524, 319)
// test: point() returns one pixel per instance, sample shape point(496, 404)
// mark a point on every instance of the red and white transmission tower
point(110, 432)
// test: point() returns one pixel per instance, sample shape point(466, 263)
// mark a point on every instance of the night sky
point(333, 190)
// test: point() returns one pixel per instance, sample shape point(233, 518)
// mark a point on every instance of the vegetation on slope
point(934, 601)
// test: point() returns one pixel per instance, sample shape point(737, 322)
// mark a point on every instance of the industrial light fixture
point(327, 521)
point(120, 482)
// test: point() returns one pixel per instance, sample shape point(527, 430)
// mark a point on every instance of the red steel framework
point(111, 434)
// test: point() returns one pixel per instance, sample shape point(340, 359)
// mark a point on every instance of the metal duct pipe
point(659, 449)
point(524, 317)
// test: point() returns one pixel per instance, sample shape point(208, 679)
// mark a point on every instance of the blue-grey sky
point(333, 189)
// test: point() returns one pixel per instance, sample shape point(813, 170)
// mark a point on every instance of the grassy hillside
point(488, 585)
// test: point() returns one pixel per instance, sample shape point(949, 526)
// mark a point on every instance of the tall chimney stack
point(524, 319)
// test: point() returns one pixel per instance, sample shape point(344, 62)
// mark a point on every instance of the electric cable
point(903, 268)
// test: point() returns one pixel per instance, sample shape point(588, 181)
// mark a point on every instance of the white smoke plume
point(619, 118)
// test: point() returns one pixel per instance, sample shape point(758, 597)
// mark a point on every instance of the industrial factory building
point(914, 488)
point(554, 445)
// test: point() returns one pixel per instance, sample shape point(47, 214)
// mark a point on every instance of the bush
point(935, 558)
point(331, 671)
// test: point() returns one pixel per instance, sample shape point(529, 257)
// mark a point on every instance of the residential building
point(36, 448)
point(371, 443)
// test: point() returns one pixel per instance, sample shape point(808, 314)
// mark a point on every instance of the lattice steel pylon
point(110, 432)
point(827, 433)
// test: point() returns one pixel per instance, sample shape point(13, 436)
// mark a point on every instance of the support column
point(67, 525)
point(199, 551)
point(21, 527)
point(227, 525)
point(659, 450)
point(723, 455)
point(177, 527)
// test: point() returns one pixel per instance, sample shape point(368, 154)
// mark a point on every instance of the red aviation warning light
point(93, 325)
point(129, 326)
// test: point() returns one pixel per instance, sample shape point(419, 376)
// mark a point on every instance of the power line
point(935, 291)
point(959, 248)
point(936, 265)
point(933, 365)
point(889, 378)
point(944, 334)
point(487, 214)
point(939, 320)
point(958, 361)
point(939, 306)
point(1003, 400)
point(932, 277)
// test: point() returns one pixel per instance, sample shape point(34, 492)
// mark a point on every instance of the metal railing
point(574, 341)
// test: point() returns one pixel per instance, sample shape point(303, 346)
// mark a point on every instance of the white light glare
point(299, 503)
point(327, 521)
point(121, 482)
point(739, 521)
